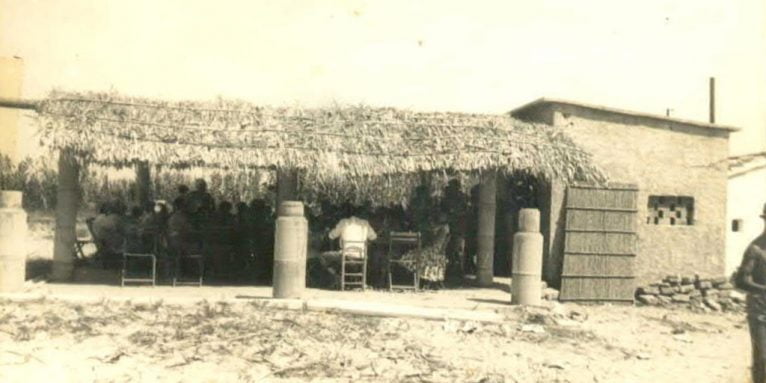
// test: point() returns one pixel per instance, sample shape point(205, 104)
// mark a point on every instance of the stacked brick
point(699, 294)
point(549, 293)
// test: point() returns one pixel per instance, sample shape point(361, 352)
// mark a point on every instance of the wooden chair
point(396, 241)
point(353, 253)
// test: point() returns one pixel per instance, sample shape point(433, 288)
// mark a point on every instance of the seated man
point(179, 231)
point(220, 243)
point(109, 233)
point(131, 224)
point(353, 231)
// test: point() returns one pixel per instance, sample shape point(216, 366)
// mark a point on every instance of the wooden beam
point(485, 256)
point(18, 104)
point(143, 183)
point(378, 309)
point(287, 185)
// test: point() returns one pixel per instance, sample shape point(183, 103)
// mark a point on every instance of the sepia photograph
point(383, 191)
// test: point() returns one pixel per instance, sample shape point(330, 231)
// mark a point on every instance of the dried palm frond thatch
point(367, 152)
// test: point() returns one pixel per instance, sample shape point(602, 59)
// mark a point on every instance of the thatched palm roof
point(336, 149)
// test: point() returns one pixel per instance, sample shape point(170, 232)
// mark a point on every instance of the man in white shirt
point(353, 232)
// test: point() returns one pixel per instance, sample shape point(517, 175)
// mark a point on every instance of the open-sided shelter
point(353, 153)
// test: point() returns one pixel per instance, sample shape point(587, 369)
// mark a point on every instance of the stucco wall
point(747, 195)
point(662, 158)
point(10, 87)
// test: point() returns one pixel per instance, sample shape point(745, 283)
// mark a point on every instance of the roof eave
point(546, 100)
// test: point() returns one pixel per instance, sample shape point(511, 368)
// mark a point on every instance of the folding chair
point(136, 249)
point(80, 242)
point(184, 256)
point(179, 279)
point(399, 240)
point(219, 248)
point(353, 253)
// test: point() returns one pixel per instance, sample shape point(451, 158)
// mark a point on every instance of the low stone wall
point(699, 294)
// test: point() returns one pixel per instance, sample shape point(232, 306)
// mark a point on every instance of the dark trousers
point(758, 340)
point(455, 260)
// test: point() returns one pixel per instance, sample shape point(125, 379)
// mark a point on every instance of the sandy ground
point(104, 333)
point(121, 338)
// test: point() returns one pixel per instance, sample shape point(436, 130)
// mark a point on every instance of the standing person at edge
point(751, 277)
point(455, 204)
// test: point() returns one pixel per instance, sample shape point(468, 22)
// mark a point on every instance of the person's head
point(161, 208)
point(257, 204)
point(104, 208)
point(136, 211)
point(347, 209)
point(453, 186)
point(118, 207)
point(362, 212)
point(183, 189)
point(441, 217)
point(241, 208)
point(224, 207)
point(200, 185)
point(475, 194)
point(179, 204)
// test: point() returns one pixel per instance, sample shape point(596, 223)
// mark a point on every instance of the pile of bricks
point(701, 294)
point(548, 293)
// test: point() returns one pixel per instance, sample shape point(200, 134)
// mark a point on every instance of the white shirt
point(353, 232)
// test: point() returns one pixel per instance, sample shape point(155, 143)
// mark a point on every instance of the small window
point(670, 210)
point(736, 225)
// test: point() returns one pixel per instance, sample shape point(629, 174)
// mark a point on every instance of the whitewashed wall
point(745, 200)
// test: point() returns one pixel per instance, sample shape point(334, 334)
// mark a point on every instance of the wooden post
point(143, 183)
point(67, 201)
point(553, 232)
point(509, 229)
point(486, 231)
point(287, 185)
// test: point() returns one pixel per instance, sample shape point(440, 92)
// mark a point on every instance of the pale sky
point(477, 56)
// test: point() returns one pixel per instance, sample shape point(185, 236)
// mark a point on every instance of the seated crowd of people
point(230, 238)
point(240, 238)
point(441, 225)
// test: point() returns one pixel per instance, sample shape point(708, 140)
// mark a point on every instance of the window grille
point(670, 210)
